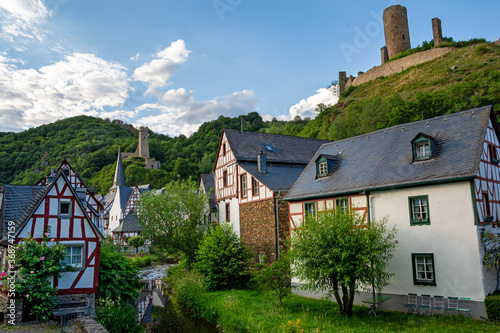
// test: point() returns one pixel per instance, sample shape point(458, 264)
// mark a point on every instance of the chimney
point(261, 162)
point(50, 177)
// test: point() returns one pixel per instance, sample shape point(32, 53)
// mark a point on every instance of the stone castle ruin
point(397, 40)
point(143, 149)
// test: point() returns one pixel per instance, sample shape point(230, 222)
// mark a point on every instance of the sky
point(173, 65)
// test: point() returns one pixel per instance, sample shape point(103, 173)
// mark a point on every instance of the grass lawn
point(257, 311)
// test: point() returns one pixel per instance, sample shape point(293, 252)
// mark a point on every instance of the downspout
point(277, 227)
point(366, 193)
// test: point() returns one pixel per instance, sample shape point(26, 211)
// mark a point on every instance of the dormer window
point(323, 169)
point(422, 148)
point(326, 165)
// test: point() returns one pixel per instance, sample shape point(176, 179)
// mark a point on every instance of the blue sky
point(172, 65)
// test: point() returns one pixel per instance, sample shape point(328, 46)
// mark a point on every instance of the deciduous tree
point(338, 252)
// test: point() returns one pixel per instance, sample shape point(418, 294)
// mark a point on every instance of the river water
point(173, 317)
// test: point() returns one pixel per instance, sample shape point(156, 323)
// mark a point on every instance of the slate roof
point(288, 149)
point(108, 198)
point(125, 193)
point(208, 182)
point(19, 201)
point(119, 179)
point(279, 176)
point(129, 224)
point(384, 159)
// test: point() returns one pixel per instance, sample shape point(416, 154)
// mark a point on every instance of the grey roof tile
point(385, 158)
point(19, 202)
point(129, 224)
point(284, 148)
point(279, 177)
point(208, 181)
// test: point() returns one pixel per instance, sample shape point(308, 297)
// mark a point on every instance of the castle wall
point(397, 66)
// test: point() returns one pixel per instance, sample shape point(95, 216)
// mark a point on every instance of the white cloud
point(305, 108)
point(22, 18)
point(79, 84)
point(180, 113)
point(159, 71)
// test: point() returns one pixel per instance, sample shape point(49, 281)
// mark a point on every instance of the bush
point(492, 305)
point(118, 276)
point(223, 259)
point(117, 318)
point(276, 277)
point(347, 92)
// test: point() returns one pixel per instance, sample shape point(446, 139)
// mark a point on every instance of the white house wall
point(451, 237)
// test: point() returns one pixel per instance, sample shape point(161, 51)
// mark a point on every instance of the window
point(342, 203)
point(64, 210)
point(228, 213)
point(493, 154)
point(310, 209)
point(422, 148)
point(486, 208)
point(322, 169)
point(244, 186)
point(419, 210)
point(255, 186)
point(224, 178)
point(223, 149)
point(74, 256)
point(423, 269)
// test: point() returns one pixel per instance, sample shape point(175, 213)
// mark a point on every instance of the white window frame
point(309, 209)
point(424, 269)
point(244, 190)
point(323, 168)
point(255, 186)
point(78, 265)
point(422, 209)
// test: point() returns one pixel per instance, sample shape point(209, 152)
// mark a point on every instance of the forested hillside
point(91, 146)
point(466, 78)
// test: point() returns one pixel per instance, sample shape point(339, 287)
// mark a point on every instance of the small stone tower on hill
point(142, 149)
point(396, 29)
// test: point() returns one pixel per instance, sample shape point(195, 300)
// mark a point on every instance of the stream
point(172, 317)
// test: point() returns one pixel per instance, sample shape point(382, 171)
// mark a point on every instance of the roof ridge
point(272, 134)
point(413, 123)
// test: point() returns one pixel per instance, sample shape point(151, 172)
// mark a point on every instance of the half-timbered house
point(119, 203)
point(436, 180)
point(62, 204)
point(253, 172)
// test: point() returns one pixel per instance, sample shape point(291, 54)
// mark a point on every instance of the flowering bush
point(37, 264)
point(491, 243)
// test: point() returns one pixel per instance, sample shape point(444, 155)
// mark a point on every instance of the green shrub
point(117, 318)
point(347, 92)
point(276, 277)
point(492, 305)
point(118, 276)
point(223, 259)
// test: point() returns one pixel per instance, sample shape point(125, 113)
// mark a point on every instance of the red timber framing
point(486, 186)
point(132, 201)
point(73, 229)
point(322, 204)
point(225, 172)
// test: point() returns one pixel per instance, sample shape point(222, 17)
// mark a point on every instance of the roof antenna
point(241, 117)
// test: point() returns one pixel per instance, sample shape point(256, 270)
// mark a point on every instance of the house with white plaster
point(436, 180)
point(252, 173)
point(120, 207)
point(63, 203)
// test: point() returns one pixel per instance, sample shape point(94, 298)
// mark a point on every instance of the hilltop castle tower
point(142, 149)
point(397, 31)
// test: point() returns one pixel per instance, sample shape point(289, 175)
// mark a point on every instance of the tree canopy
point(173, 220)
point(339, 253)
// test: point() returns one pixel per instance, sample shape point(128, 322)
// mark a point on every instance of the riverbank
point(257, 311)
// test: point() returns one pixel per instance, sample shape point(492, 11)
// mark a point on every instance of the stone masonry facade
point(258, 226)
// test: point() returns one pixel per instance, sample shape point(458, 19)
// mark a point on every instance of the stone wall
point(397, 66)
point(12, 310)
point(89, 325)
point(258, 226)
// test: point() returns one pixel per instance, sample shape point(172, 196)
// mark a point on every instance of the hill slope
point(466, 78)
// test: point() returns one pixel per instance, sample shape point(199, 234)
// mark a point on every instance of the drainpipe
point(367, 194)
point(277, 227)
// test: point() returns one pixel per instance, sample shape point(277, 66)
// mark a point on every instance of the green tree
point(223, 259)
point(277, 277)
point(136, 241)
point(491, 246)
point(118, 276)
point(339, 253)
point(37, 263)
point(173, 220)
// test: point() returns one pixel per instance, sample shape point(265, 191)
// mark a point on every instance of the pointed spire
point(119, 174)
